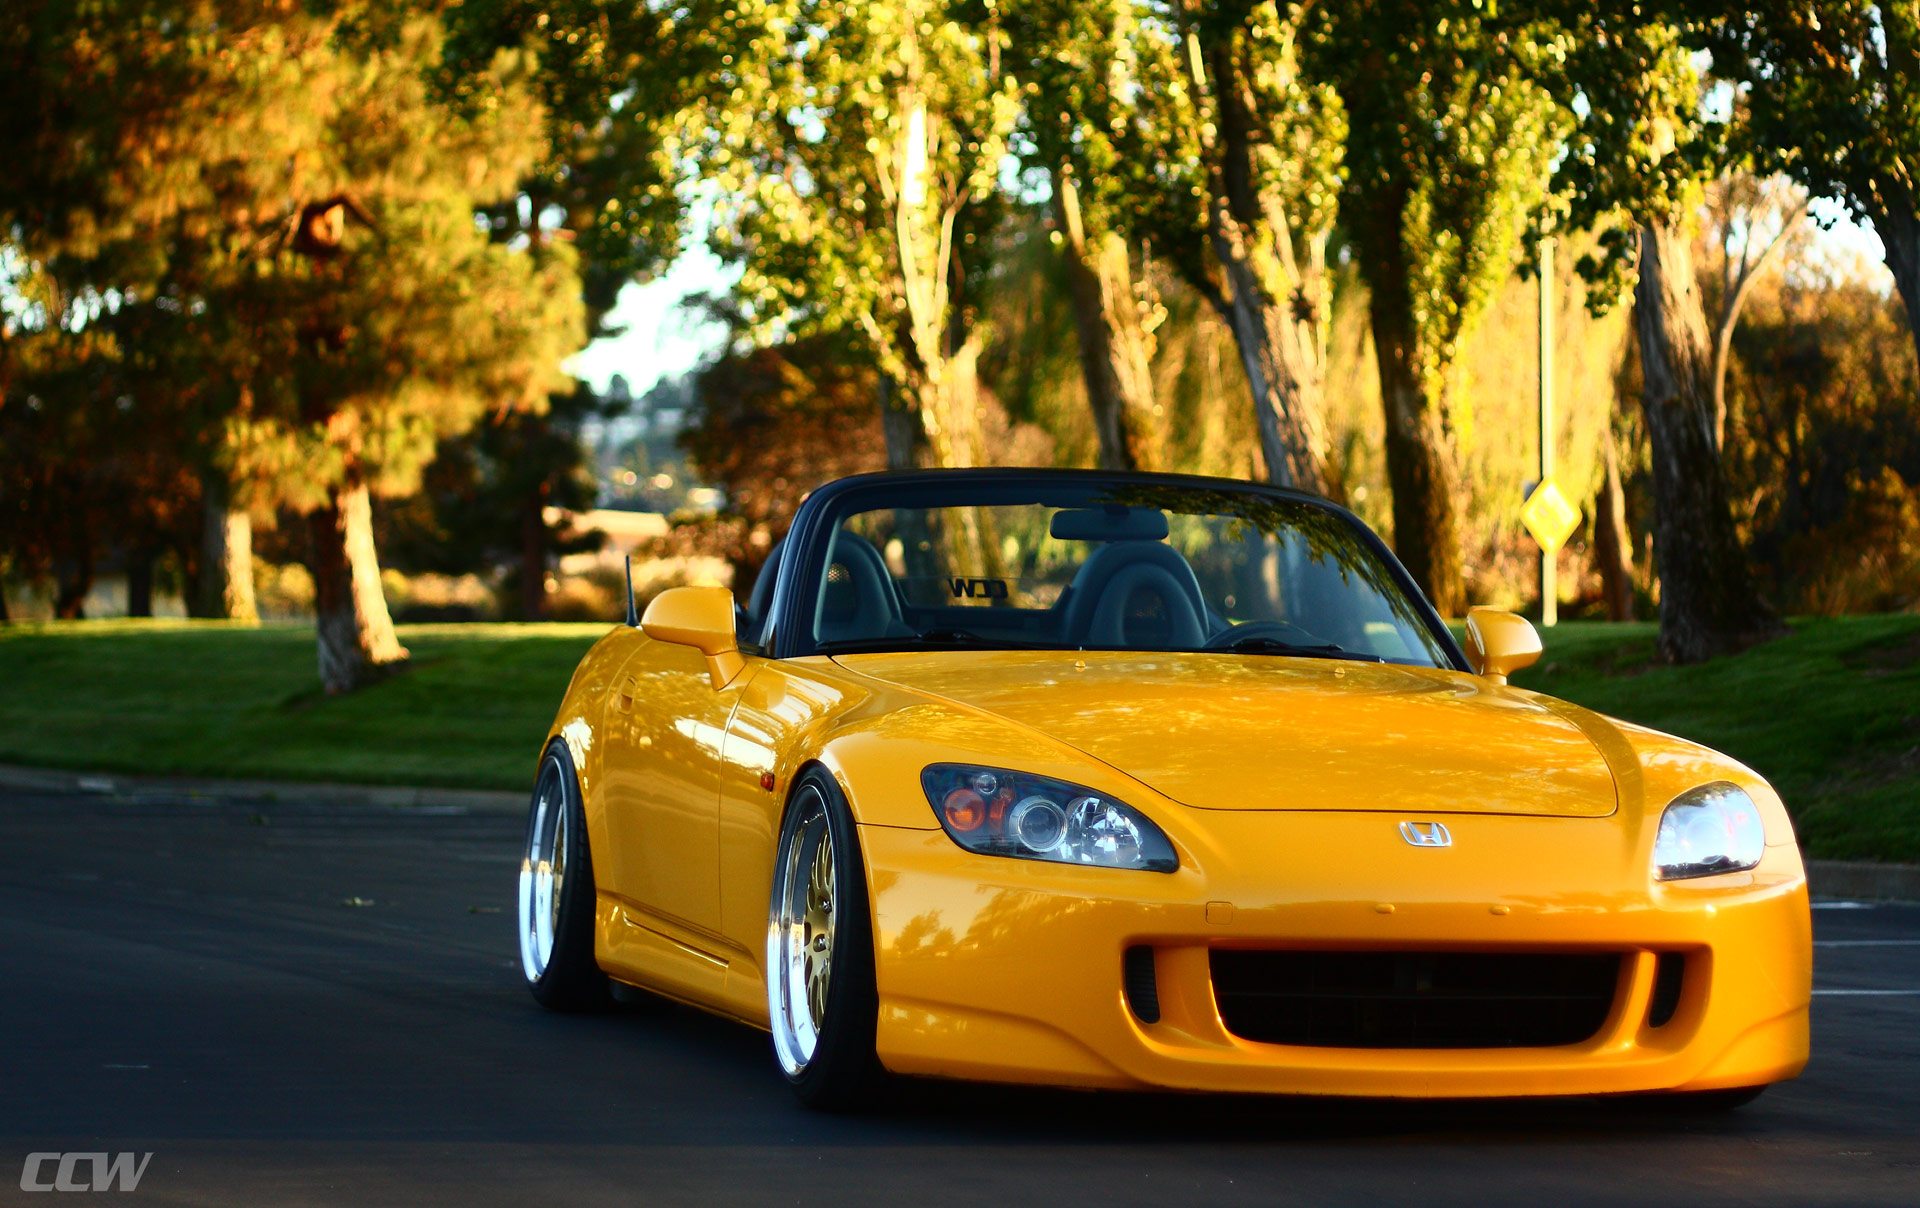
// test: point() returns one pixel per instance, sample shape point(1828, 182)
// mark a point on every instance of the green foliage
point(850, 149)
point(1451, 136)
point(1257, 95)
point(1081, 80)
point(292, 192)
point(1830, 89)
point(1642, 142)
point(608, 83)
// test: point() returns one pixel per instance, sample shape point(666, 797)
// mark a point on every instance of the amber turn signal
point(965, 809)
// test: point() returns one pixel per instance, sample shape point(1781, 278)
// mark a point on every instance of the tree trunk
point(223, 586)
point(533, 557)
point(1115, 350)
point(1612, 544)
point(900, 427)
point(1901, 235)
point(5, 616)
point(1709, 604)
point(1419, 465)
point(72, 581)
point(1272, 300)
point(140, 581)
point(357, 644)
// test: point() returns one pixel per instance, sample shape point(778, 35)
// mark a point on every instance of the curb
point(1864, 880)
point(1861, 880)
point(279, 792)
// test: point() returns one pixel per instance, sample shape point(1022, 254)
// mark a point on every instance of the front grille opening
point(1143, 987)
point(1669, 978)
point(1415, 1000)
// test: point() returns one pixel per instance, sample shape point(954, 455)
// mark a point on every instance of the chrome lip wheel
point(543, 870)
point(800, 936)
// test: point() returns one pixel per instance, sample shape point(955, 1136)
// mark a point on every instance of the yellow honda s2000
point(1119, 780)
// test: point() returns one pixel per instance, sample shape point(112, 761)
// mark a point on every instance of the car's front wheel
point(556, 894)
point(820, 976)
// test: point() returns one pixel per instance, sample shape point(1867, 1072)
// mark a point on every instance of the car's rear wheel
point(556, 894)
point(820, 978)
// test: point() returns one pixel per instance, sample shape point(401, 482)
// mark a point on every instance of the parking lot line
point(1866, 943)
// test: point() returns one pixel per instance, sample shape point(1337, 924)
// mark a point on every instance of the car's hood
point(1220, 731)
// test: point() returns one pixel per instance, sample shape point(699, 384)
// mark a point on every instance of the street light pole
point(1549, 589)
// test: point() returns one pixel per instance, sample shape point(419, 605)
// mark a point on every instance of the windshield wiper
point(1321, 650)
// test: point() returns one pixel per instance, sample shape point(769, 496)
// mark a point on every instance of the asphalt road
point(301, 1005)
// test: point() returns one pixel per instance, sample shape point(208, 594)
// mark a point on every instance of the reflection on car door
point(662, 786)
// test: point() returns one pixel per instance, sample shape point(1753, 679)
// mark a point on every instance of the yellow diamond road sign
point(1549, 516)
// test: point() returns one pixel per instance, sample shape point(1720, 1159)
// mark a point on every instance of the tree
point(484, 499)
point(1248, 183)
point(852, 151)
point(1750, 221)
point(388, 320)
point(1076, 63)
point(1449, 143)
point(112, 110)
point(767, 425)
point(1635, 167)
point(297, 187)
point(1830, 89)
point(608, 81)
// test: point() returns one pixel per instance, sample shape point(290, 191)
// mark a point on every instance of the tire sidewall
point(572, 979)
point(843, 1067)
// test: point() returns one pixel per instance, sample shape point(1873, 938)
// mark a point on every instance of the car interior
point(1131, 589)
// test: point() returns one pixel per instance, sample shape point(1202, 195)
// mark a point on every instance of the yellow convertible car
point(1129, 781)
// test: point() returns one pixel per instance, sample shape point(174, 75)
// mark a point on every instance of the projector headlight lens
point(1713, 829)
point(997, 812)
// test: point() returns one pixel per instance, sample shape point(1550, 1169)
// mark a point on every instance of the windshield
point(1126, 565)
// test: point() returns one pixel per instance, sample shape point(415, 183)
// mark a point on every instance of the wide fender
point(580, 723)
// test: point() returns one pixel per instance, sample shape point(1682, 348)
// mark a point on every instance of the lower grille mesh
point(1415, 1000)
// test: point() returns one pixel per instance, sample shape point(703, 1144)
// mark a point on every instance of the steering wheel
point(1279, 631)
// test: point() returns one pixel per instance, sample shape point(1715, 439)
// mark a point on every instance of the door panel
point(662, 785)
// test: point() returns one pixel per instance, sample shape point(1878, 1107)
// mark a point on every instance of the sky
point(661, 336)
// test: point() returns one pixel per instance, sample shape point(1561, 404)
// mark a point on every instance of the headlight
point(1714, 828)
point(1000, 813)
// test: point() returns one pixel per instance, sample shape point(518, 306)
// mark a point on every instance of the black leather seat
point(1136, 593)
point(858, 599)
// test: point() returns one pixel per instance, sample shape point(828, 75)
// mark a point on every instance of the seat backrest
point(1100, 580)
point(1145, 606)
point(753, 619)
point(858, 599)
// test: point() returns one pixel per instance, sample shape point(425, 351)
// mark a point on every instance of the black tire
point(568, 979)
point(842, 1073)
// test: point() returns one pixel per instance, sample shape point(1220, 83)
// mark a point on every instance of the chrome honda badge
point(1426, 834)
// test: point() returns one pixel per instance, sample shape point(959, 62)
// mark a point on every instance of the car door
point(662, 786)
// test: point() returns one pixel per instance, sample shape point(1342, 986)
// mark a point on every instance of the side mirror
point(700, 617)
point(1499, 643)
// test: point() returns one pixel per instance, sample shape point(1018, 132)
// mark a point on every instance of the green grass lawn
point(209, 699)
point(1830, 713)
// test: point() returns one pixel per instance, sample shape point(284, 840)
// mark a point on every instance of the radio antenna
point(633, 614)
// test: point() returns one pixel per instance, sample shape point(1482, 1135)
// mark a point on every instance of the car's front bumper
point(1011, 970)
